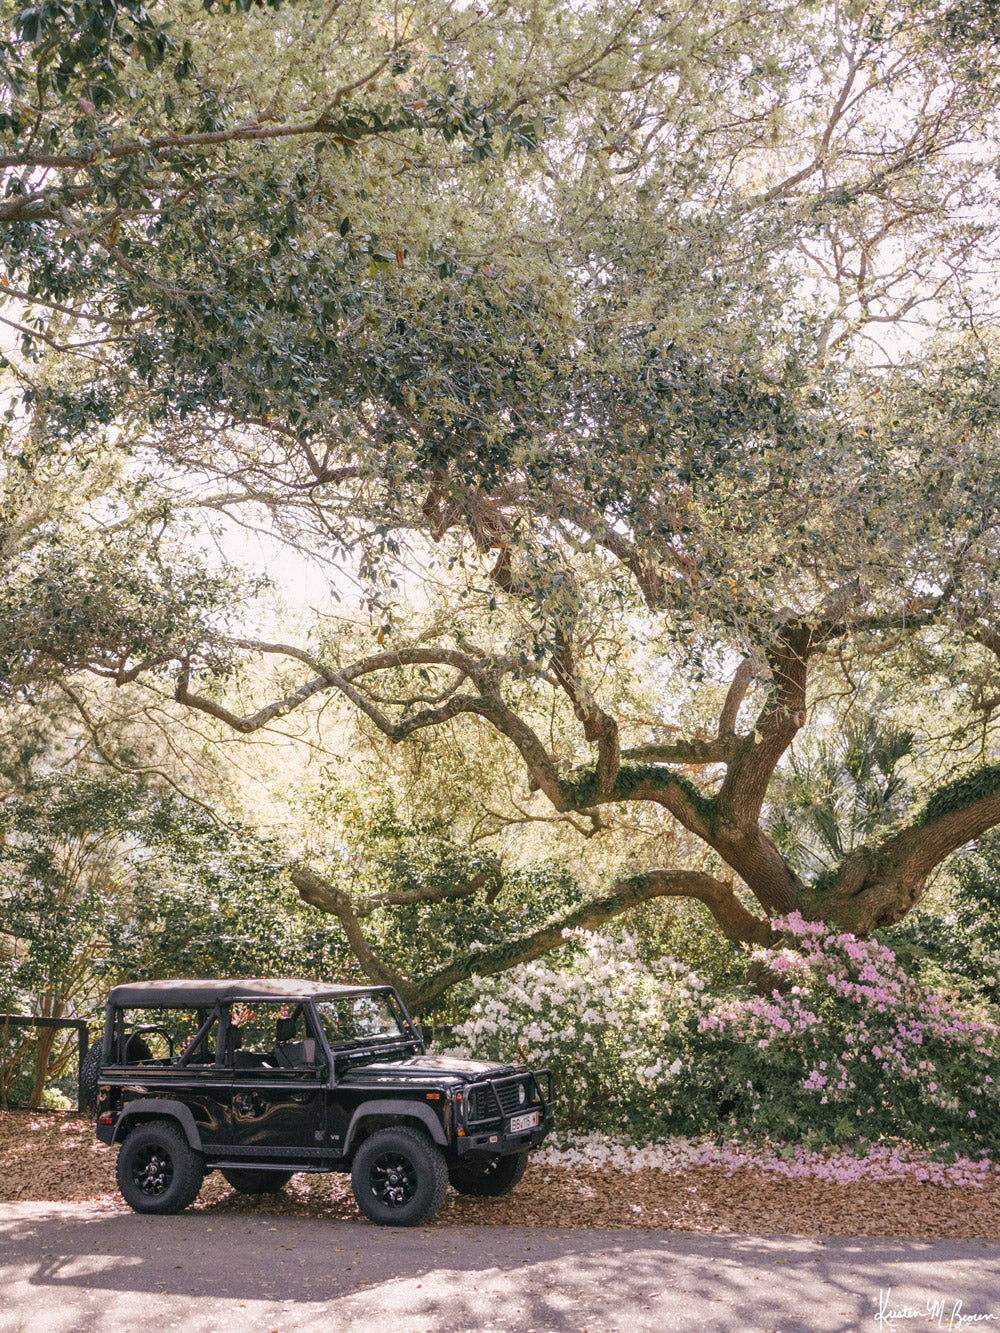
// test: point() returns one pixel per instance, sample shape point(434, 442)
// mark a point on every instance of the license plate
point(527, 1121)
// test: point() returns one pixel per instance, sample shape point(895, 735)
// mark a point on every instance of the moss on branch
point(581, 788)
point(961, 793)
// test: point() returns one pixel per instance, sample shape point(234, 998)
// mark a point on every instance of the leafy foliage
point(107, 879)
point(852, 788)
point(851, 1048)
point(962, 792)
point(427, 902)
point(220, 906)
point(614, 394)
point(957, 939)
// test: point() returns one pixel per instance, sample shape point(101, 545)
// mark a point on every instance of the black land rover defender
point(260, 1079)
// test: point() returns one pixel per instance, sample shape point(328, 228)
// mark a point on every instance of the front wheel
point(490, 1182)
point(399, 1177)
point(256, 1182)
point(158, 1171)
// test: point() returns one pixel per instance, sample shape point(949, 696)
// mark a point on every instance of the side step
point(314, 1168)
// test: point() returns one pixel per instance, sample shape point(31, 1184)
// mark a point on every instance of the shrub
point(610, 1027)
point(847, 1048)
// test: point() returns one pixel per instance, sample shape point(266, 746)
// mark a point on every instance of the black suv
point(260, 1079)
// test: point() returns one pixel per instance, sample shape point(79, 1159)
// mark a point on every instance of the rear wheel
point(256, 1182)
point(158, 1171)
point(490, 1182)
point(399, 1177)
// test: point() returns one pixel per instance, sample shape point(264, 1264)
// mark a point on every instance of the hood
point(429, 1068)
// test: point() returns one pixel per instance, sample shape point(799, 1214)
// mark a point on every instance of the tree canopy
point(592, 344)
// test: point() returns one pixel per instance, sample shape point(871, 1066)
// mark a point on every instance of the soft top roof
point(145, 994)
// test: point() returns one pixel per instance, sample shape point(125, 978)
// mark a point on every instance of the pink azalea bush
point(844, 1053)
point(845, 1050)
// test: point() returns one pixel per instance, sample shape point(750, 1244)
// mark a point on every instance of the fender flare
point(161, 1108)
point(415, 1110)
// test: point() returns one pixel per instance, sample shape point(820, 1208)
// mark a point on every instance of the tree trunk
point(43, 1054)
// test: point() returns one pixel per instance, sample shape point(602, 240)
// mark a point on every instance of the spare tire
point(90, 1073)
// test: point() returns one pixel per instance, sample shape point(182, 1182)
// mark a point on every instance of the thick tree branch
point(735, 695)
point(877, 886)
point(487, 705)
point(319, 892)
point(736, 922)
point(598, 727)
point(743, 792)
point(642, 782)
point(721, 750)
point(744, 847)
point(254, 721)
point(955, 815)
point(438, 893)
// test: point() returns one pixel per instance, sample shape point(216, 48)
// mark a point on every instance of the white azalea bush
point(612, 1028)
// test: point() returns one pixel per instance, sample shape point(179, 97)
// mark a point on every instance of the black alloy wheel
point(393, 1179)
point(157, 1170)
point(399, 1177)
point(152, 1170)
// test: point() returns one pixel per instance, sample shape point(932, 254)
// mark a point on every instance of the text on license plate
point(527, 1121)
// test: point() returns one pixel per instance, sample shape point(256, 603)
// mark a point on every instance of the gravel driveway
point(76, 1268)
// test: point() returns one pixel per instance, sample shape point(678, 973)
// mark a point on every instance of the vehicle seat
point(284, 1031)
point(136, 1050)
point(294, 1054)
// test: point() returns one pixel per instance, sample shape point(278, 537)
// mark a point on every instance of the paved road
point(80, 1269)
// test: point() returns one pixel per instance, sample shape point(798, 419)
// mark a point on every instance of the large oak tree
point(712, 369)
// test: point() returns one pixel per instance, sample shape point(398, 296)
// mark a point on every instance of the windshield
point(355, 1018)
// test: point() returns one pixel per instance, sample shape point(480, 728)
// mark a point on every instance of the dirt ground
point(54, 1157)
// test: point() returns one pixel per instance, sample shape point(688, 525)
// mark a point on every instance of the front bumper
point(487, 1143)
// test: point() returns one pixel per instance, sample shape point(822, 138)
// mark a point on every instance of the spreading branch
point(319, 892)
point(736, 922)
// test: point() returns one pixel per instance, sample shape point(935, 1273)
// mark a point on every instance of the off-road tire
point(490, 1182)
point(255, 1182)
point(90, 1077)
point(157, 1170)
point(399, 1177)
